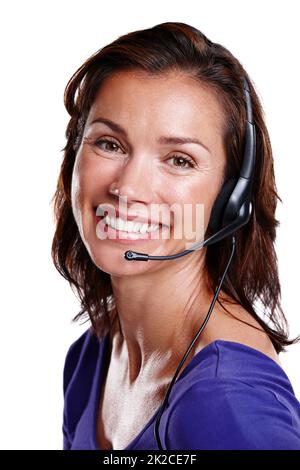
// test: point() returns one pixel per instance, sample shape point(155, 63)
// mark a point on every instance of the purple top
point(229, 396)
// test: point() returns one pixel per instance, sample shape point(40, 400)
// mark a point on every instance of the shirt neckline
point(193, 362)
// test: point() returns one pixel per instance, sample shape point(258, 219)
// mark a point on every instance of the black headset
point(234, 201)
point(231, 210)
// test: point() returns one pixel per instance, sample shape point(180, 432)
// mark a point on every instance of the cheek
point(76, 190)
point(81, 189)
point(86, 179)
point(76, 200)
point(195, 201)
point(88, 187)
point(92, 176)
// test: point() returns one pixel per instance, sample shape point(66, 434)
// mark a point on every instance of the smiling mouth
point(132, 227)
point(123, 223)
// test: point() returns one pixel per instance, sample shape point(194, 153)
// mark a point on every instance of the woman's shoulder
point(233, 397)
point(224, 360)
point(231, 414)
point(78, 376)
point(81, 357)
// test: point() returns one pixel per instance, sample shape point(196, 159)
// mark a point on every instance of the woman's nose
point(134, 180)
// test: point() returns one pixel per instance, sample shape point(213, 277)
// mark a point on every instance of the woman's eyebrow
point(161, 140)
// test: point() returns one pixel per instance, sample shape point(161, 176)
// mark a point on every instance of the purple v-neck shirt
point(230, 396)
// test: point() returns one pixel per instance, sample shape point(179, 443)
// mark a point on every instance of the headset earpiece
point(218, 209)
point(237, 192)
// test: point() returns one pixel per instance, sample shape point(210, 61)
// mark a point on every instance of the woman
point(131, 104)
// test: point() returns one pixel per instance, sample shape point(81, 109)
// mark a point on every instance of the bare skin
point(119, 422)
point(160, 304)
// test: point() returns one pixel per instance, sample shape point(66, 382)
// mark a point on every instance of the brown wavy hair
point(253, 274)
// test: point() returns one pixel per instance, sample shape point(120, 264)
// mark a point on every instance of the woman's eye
point(111, 143)
point(114, 146)
point(183, 161)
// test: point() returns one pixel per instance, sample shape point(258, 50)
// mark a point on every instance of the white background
point(42, 44)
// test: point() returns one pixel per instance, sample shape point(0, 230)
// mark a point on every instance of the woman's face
point(163, 180)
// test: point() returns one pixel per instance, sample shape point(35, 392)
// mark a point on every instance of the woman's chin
point(108, 255)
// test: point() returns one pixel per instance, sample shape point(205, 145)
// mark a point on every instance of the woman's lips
point(105, 232)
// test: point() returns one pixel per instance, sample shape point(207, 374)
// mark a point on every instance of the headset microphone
point(231, 210)
point(242, 219)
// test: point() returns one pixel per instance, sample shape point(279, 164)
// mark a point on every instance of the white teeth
point(144, 228)
point(129, 226)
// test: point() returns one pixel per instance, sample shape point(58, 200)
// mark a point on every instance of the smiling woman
point(159, 118)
